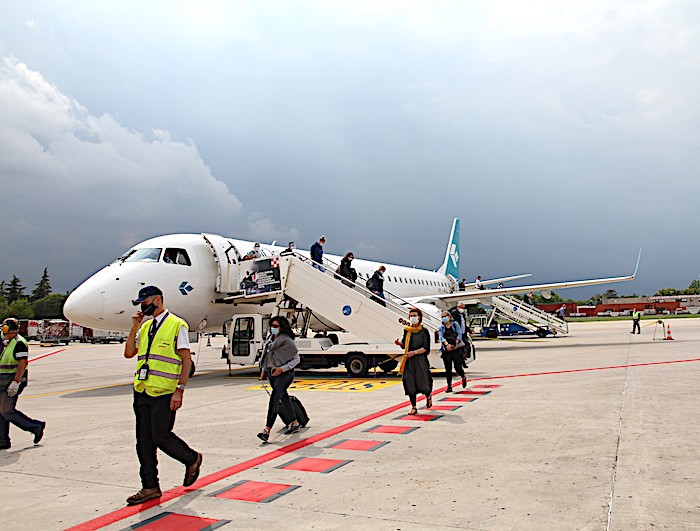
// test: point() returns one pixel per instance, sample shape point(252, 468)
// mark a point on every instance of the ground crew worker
point(163, 367)
point(13, 379)
point(636, 317)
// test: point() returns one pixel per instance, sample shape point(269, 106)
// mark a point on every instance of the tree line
point(41, 303)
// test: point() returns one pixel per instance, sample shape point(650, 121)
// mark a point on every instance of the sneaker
point(39, 433)
point(464, 382)
point(192, 471)
point(264, 436)
point(448, 390)
point(293, 428)
point(144, 495)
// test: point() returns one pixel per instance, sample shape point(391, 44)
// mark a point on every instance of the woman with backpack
point(346, 270)
point(280, 356)
point(451, 349)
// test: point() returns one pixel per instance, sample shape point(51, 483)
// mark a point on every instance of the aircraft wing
point(488, 293)
point(472, 285)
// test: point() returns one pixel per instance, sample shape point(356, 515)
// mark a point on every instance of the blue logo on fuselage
point(347, 310)
point(185, 288)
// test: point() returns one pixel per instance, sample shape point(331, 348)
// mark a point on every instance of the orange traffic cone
point(668, 333)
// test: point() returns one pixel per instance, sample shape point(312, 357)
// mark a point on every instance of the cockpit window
point(176, 256)
point(142, 255)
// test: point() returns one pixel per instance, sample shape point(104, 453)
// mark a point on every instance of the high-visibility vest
point(635, 316)
point(8, 363)
point(164, 363)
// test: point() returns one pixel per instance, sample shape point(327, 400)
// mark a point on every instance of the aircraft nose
point(85, 306)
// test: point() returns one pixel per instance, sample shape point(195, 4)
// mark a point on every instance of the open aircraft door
point(245, 339)
point(227, 258)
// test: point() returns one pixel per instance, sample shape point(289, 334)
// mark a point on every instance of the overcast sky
point(564, 135)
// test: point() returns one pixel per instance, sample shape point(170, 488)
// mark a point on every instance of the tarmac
point(595, 430)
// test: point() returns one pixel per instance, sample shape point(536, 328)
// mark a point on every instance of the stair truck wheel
point(541, 332)
point(491, 333)
point(357, 364)
point(388, 365)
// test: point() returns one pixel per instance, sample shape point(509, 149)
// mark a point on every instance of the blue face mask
point(274, 331)
point(445, 320)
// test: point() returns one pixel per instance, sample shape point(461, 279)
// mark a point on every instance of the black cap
point(146, 292)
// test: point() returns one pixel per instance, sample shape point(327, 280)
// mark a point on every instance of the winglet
point(637, 266)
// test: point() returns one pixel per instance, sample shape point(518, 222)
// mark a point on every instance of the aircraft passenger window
point(176, 256)
point(144, 255)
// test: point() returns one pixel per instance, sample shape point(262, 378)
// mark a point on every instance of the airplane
point(199, 272)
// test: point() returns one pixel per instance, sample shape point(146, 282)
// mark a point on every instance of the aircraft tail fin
point(450, 266)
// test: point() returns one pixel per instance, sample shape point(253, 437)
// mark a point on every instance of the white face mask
point(414, 320)
point(461, 310)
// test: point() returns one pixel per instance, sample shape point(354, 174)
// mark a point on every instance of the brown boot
point(192, 471)
point(144, 495)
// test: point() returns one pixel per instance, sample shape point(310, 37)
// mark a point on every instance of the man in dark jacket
point(376, 285)
point(317, 253)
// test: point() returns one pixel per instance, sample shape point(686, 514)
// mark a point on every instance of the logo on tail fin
point(450, 265)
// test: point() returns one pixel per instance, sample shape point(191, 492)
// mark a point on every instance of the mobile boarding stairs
point(526, 315)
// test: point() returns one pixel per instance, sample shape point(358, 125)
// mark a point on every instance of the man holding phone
point(163, 348)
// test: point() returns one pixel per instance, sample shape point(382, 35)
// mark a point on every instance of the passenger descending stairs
point(526, 314)
point(349, 306)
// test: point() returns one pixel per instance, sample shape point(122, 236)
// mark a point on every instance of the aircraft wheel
point(357, 365)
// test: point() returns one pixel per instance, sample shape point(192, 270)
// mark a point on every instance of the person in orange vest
point(163, 348)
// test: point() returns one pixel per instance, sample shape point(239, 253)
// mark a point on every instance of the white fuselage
point(103, 301)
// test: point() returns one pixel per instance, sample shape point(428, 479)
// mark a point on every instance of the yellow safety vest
point(8, 362)
point(164, 363)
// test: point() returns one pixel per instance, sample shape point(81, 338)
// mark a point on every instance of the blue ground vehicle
point(512, 329)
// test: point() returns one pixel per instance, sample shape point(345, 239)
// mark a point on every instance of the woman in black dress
point(414, 365)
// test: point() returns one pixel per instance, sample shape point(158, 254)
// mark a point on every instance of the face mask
point(414, 320)
point(461, 310)
point(274, 331)
point(445, 320)
point(148, 309)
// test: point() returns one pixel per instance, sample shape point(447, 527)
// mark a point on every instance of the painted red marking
point(424, 418)
point(469, 392)
point(314, 464)
point(459, 399)
point(360, 445)
point(605, 368)
point(125, 512)
point(176, 522)
point(47, 354)
point(444, 408)
point(399, 430)
point(486, 386)
point(255, 491)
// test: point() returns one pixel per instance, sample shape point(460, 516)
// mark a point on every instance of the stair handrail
point(400, 310)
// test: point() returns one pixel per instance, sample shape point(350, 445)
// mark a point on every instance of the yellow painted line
point(358, 385)
point(71, 391)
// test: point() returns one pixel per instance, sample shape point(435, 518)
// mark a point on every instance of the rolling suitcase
point(300, 412)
